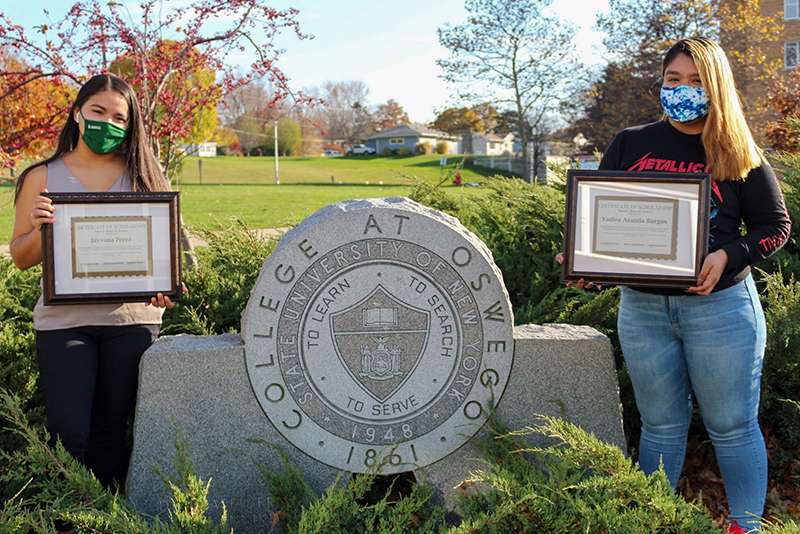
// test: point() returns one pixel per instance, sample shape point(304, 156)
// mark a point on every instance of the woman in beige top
point(89, 354)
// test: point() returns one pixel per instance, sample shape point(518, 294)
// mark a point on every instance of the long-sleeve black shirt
point(757, 201)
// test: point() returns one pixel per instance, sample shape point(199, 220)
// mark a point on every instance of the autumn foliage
point(389, 115)
point(29, 110)
point(783, 95)
point(456, 120)
point(637, 40)
point(177, 58)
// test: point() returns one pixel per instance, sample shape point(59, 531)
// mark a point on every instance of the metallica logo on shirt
point(646, 163)
point(756, 200)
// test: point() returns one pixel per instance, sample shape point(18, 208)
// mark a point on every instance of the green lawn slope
point(229, 187)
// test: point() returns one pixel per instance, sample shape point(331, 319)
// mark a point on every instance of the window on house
point(791, 9)
point(396, 141)
point(791, 54)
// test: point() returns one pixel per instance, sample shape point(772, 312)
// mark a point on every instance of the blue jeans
point(712, 346)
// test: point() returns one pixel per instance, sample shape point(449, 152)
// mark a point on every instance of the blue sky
point(391, 46)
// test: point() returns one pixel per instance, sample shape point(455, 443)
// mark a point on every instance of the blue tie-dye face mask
point(684, 103)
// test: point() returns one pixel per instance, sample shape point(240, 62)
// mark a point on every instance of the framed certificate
point(636, 228)
point(111, 247)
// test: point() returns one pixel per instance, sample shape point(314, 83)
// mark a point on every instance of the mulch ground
point(701, 479)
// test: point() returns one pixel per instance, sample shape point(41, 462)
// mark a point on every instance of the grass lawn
point(245, 187)
point(318, 170)
point(284, 205)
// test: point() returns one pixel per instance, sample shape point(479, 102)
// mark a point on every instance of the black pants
point(89, 377)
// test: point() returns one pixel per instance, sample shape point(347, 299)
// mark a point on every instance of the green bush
point(780, 385)
point(367, 503)
point(403, 151)
point(789, 172)
point(576, 486)
point(787, 259)
point(780, 382)
point(19, 291)
point(780, 295)
point(441, 147)
point(386, 151)
point(585, 486)
point(221, 284)
point(522, 226)
point(47, 484)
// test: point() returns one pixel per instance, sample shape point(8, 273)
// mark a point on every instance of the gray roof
point(411, 130)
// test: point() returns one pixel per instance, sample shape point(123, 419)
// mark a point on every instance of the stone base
point(559, 370)
point(199, 385)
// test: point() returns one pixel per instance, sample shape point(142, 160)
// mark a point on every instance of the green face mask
point(102, 137)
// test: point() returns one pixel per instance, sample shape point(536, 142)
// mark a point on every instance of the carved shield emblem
point(380, 341)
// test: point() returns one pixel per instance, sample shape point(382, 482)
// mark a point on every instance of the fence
point(502, 163)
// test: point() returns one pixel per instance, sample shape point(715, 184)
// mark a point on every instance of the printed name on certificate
point(635, 227)
point(112, 246)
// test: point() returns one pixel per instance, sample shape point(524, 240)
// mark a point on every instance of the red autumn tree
point(175, 58)
point(29, 106)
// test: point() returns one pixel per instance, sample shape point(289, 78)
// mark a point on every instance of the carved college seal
point(378, 328)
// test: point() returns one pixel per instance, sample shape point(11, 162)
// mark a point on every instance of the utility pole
point(277, 181)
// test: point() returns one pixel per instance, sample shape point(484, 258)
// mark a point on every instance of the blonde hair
point(731, 151)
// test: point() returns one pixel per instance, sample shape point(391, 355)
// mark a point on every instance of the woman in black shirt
point(707, 341)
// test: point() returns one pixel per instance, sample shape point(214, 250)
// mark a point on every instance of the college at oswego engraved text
point(379, 345)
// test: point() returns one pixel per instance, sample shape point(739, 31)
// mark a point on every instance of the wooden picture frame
point(636, 228)
point(112, 247)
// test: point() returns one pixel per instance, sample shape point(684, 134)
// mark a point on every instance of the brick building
point(791, 32)
point(787, 48)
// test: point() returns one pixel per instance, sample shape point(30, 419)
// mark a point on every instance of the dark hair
point(141, 163)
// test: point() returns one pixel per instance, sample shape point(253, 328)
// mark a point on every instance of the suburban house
point(204, 150)
point(489, 144)
point(408, 135)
